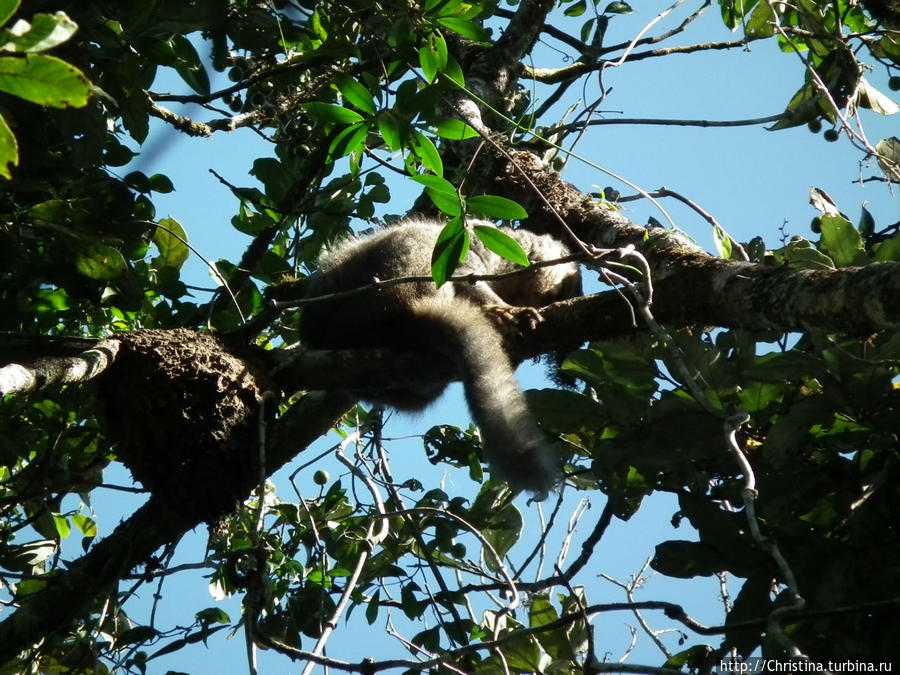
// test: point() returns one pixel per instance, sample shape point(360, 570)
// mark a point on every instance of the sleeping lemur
point(461, 321)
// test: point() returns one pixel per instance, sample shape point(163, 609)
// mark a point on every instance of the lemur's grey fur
point(460, 321)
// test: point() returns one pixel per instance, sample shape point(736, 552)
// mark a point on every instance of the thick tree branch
point(22, 378)
point(715, 292)
point(694, 287)
point(710, 292)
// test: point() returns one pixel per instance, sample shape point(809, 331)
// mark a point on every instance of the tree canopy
point(757, 384)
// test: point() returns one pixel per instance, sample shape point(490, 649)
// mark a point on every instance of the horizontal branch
point(557, 75)
point(656, 121)
point(694, 288)
point(727, 294)
point(672, 610)
point(22, 378)
point(710, 292)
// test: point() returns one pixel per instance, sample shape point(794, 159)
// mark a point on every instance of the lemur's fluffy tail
point(513, 445)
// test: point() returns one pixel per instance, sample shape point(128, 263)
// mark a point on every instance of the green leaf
point(576, 9)
point(888, 47)
point(356, 94)
point(161, 52)
point(722, 242)
point(136, 635)
point(888, 150)
point(372, 607)
point(411, 606)
point(501, 243)
point(503, 533)
point(562, 409)
point(888, 250)
point(841, 241)
point(758, 396)
point(7, 9)
point(212, 615)
point(161, 183)
point(85, 525)
point(523, 655)
point(116, 154)
point(465, 28)
point(401, 32)
point(135, 110)
point(451, 247)
point(866, 223)
point(318, 29)
point(328, 112)
point(349, 140)
point(62, 525)
point(557, 643)
point(499, 208)
point(424, 149)
point(189, 66)
point(587, 28)
point(48, 301)
point(752, 601)
point(694, 658)
point(44, 80)
point(447, 204)
point(428, 64)
point(869, 97)
point(44, 32)
point(686, 559)
point(433, 56)
point(618, 8)
point(393, 128)
point(28, 587)
point(453, 72)
point(442, 193)
point(800, 254)
point(541, 612)
point(137, 180)
point(274, 177)
point(454, 130)
point(761, 23)
point(100, 262)
point(9, 149)
point(802, 107)
point(170, 238)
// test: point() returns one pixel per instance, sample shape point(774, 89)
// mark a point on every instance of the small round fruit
point(816, 225)
point(458, 551)
point(321, 477)
point(894, 83)
point(814, 125)
point(831, 135)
